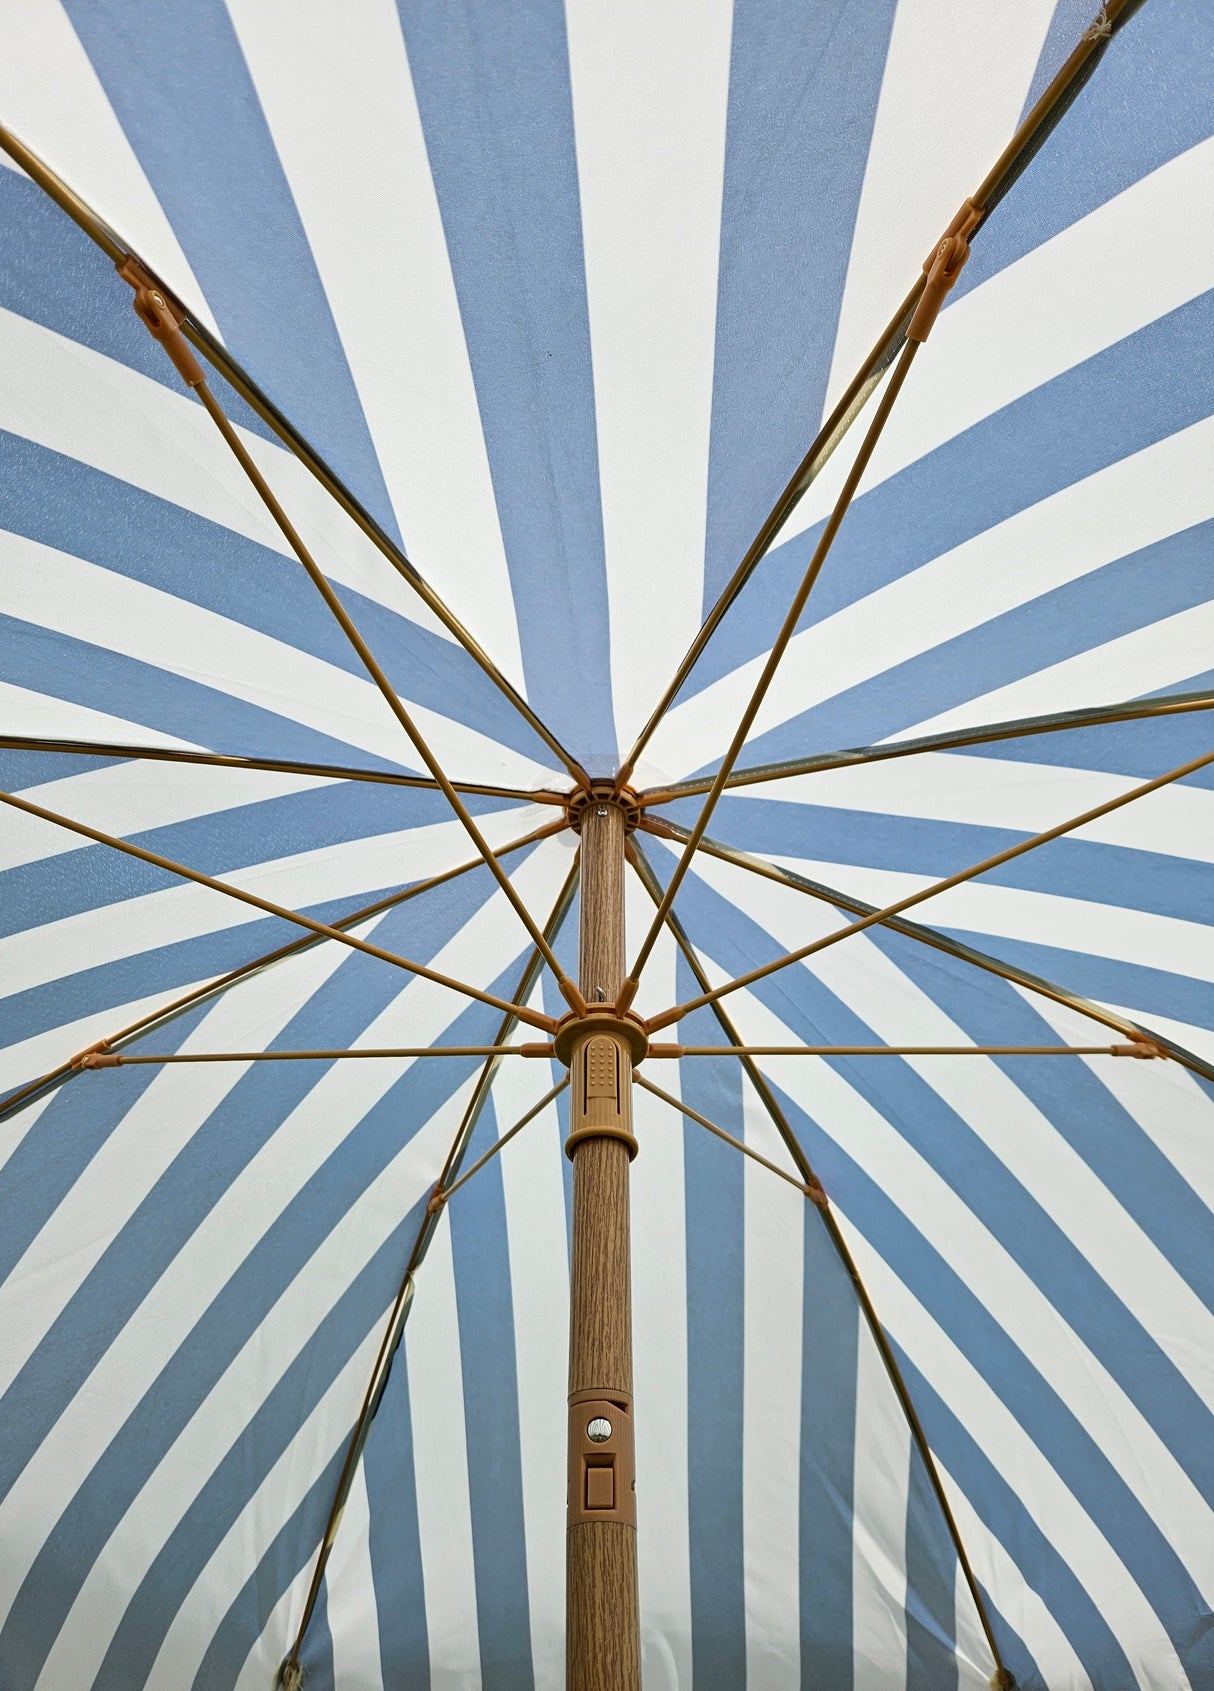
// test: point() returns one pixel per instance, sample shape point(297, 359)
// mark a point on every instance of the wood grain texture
point(600, 1290)
point(603, 1631)
point(601, 948)
point(602, 1651)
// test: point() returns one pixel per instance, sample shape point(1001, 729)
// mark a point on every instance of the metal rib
point(1037, 984)
point(718, 1132)
point(237, 378)
point(389, 694)
point(399, 1313)
point(175, 1007)
point(550, 1097)
point(772, 662)
point(271, 909)
point(1133, 710)
point(1036, 128)
point(280, 765)
point(934, 889)
point(784, 1128)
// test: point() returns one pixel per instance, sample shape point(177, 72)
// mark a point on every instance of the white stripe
point(42, 715)
point(1019, 1604)
point(52, 99)
point(771, 1418)
point(129, 927)
point(340, 104)
point(659, 1342)
point(1146, 660)
point(650, 89)
point(881, 1485)
point(66, 397)
point(1130, 504)
point(1085, 289)
point(440, 1462)
point(1009, 792)
point(256, 1527)
point(534, 1190)
point(103, 608)
point(131, 798)
point(350, 1582)
point(931, 146)
point(1043, 1494)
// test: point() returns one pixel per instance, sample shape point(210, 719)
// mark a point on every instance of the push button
point(600, 1488)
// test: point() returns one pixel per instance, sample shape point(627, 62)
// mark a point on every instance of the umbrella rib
point(780, 645)
point(370, 664)
point(242, 383)
point(324, 929)
point(167, 1012)
point(442, 1194)
point(1036, 128)
point(936, 887)
point(287, 766)
point(394, 1328)
point(938, 941)
point(1132, 710)
point(1139, 1048)
point(116, 1060)
point(720, 1133)
point(815, 1192)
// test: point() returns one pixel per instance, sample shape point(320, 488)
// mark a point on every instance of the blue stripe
point(316, 1657)
point(495, 1482)
point(830, 1338)
point(1139, 750)
point(492, 87)
point(803, 87)
point(263, 288)
point(47, 1163)
point(162, 971)
point(395, 1541)
point(715, 1219)
point(1054, 436)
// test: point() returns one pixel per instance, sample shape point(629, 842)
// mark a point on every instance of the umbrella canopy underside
point(558, 295)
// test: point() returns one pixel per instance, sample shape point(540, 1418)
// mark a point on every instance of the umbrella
point(370, 843)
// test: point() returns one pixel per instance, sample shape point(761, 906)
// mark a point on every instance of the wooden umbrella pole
point(603, 1635)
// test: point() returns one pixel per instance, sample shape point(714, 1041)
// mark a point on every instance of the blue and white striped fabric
point(562, 292)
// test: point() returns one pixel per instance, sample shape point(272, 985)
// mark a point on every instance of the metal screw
point(599, 1430)
point(602, 810)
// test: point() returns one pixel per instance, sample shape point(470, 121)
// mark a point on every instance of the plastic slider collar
point(161, 316)
point(943, 267)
